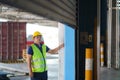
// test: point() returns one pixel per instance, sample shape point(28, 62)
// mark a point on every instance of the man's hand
point(31, 74)
point(29, 58)
point(55, 50)
point(61, 46)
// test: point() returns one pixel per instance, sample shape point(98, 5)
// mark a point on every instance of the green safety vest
point(39, 59)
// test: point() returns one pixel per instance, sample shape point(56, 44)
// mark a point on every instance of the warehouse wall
point(61, 52)
point(69, 53)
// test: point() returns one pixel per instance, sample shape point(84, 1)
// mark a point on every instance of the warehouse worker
point(36, 58)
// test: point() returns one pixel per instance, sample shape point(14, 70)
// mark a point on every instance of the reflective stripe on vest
point(39, 59)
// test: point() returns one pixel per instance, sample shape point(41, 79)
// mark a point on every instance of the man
point(36, 58)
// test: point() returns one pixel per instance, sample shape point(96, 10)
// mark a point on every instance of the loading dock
point(92, 23)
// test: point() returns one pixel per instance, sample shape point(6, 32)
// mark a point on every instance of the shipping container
point(12, 40)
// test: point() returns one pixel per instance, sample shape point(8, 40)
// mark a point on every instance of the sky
point(50, 34)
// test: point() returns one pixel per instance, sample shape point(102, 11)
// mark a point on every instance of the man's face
point(37, 39)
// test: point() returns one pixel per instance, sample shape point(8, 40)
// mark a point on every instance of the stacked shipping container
point(12, 40)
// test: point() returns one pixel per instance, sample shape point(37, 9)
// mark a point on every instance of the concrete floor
point(110, 74)
point(52, 62)
point(21, 68)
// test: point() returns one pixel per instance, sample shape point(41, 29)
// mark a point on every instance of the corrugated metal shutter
point(59, 10)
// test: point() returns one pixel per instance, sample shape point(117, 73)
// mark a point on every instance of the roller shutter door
point(59, 10)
